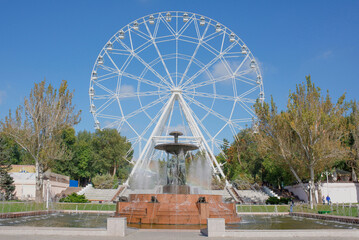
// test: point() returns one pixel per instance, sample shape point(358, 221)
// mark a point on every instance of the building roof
point(22, 169)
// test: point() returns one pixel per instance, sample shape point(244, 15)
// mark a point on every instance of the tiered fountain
point(176, 205)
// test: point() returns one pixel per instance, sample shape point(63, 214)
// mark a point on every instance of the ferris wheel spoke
point(211, 36)
point(163, 63)
point(112, 73)
point(210, 49)
point(247, 109)
point(210, 110)
point(248, 92)
point(185, 26)
point(143, 47)
point(233, 129)
point(198, 32)
point(208, 82)
point(226, 65)
point(211, 95)
point(112, 124)
point(113, 63)
point(240, 65)
point(101, 97)
point(151, 104)
point(208, 65)
point(108, 116)
point(220, 130)
point(102, 78)
point(132, 128)
point(143, 80)
point(153, 120)
point(169, 27)
point(156, 28)
point(169, 122)
point(246, 80)
point(142, 35)
point(120, 124)
point(199, 122)
point(243, 73)
point(138, 94)
point(190, 62)
point(103, 88)
point(145, 63)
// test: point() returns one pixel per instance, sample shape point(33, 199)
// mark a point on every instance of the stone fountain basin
point(176, 148)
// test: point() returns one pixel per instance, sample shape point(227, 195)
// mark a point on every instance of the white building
point(339, 192)
point(25, 178)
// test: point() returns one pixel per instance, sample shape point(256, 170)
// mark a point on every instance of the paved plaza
point(146, 235)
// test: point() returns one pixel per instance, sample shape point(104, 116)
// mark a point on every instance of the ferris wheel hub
point(176, 90)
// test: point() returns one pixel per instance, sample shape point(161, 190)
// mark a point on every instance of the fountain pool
point(90, 220)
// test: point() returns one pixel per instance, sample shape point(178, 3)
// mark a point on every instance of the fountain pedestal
point(176, 205)
point(176, 209)
point(176, 189)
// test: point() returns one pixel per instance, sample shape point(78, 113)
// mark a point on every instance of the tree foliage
point(74, 198)
point(111, 149)
point(353, 142)
point(6, 182)
point(92, 154)
point(308, 136)
point(105, 181)
point(38, 124)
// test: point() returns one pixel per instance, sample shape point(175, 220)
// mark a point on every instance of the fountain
point(176, 205)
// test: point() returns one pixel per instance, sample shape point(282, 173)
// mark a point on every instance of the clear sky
point(61, 39)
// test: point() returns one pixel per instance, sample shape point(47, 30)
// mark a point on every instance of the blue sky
point(61, 39)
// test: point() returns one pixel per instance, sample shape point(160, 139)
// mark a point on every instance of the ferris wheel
point(175, 71)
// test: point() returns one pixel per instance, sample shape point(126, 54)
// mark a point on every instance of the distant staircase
point(252, 196)
point(268, 191)
point(67, 192)
point(233, 192)
point(101, 195)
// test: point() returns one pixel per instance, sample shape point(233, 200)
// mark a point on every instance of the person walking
point(291, 205)
point(328, 199)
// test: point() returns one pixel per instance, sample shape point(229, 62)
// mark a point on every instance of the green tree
point(308, 135)
point(276, 139)
point(105, 181)
point(244, 151)
point(319, 127)
point(111, 149)
point(6, 182)
point(353, 127)
point(84, 157)
point(66, 166)
point(37, 126)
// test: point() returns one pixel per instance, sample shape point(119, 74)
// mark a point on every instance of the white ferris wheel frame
point(176, 87)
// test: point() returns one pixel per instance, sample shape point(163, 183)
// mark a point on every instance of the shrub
point(7, 187)
point(276, 201)
point(74, 198)
point(105, 181)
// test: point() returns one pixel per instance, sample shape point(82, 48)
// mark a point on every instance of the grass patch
point(85, 206)
point(263, 208)
point(335, 209)
point(6, 207)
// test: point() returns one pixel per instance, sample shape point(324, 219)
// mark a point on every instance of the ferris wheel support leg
point(197, 133)
point(157, 131)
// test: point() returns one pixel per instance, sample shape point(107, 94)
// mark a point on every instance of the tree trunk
point(311, 187)
point(39, 183)
point(114, 170)
point(354, 176)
